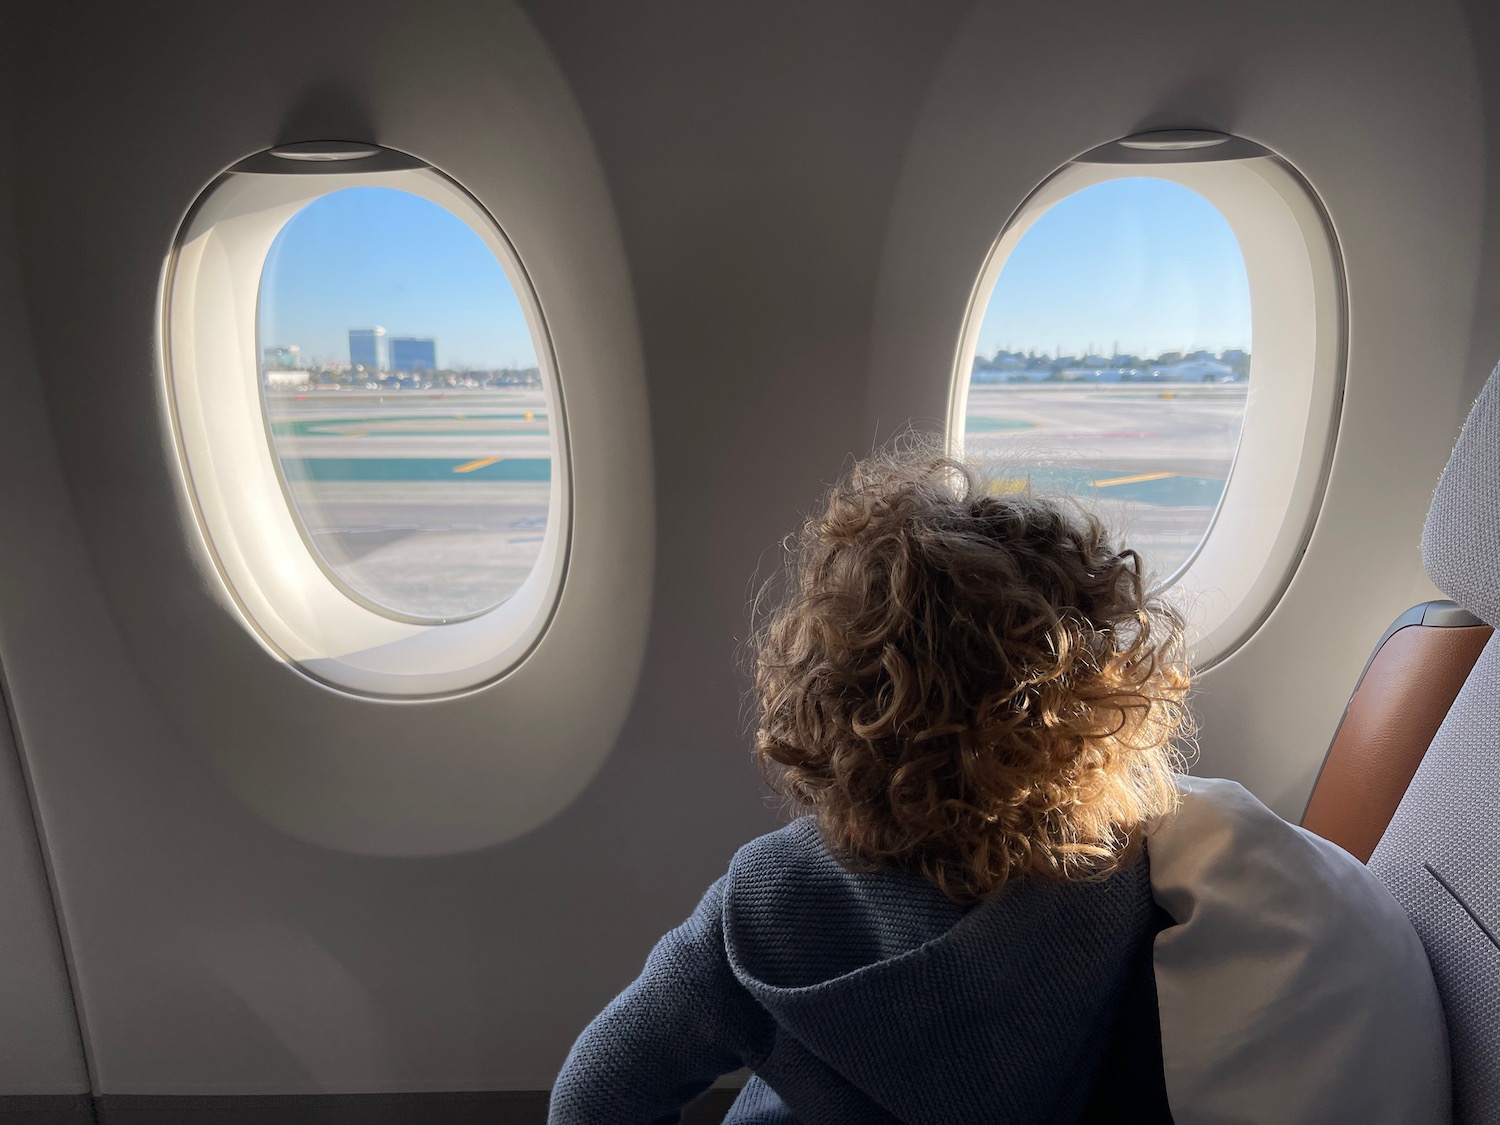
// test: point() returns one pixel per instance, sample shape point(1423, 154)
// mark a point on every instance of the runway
point(1151, 460)
point(429, 503)
point(434, 504)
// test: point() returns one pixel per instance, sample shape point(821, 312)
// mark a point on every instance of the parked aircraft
point(1193, 371)
point(362, 743)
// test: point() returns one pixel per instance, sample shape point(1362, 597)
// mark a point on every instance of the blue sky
point(1139, 261)
point(366, 256)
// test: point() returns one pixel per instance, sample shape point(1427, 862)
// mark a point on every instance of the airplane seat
point(1405, 690)
point(1441, 852)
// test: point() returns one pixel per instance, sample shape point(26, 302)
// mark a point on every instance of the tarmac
point(434, 504)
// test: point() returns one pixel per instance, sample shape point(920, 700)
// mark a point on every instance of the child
point(974, 697)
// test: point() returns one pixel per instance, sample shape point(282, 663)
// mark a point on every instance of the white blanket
point(1293, 989)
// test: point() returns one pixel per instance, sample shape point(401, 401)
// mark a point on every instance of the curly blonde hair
point(967, 681)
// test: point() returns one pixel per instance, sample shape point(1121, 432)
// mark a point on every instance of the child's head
point(966, 685)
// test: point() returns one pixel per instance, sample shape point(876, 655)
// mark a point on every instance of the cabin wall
point(788, 203)
point(41, 1049)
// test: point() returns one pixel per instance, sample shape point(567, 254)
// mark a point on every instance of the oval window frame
point(251, 536)
point(1233, 581)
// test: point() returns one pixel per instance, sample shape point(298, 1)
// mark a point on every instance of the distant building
point(413, 353)
point(367, 348)
point(1003, 361)
point(281, 357)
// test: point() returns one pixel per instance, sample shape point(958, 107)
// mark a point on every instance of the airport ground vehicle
point(238, 870)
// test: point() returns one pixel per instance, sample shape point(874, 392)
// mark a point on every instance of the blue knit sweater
point(871, 999)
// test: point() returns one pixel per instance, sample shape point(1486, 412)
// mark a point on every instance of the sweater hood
point(926, 1006)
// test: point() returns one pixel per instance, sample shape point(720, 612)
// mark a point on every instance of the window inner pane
point(1114, 361)
point(405, 403)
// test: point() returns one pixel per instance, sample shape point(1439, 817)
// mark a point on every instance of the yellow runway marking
point(1137, 479)
point(1010, 484)
point(472, 465)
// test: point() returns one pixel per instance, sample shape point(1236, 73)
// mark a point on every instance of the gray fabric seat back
point(1440, 856)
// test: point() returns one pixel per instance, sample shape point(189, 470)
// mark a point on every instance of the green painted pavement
point(376, 425)
point(1177, 490)
point(414, 469)
point(987, 424)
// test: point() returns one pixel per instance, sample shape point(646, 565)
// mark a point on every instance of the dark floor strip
point(46, 1109)
point(509, 1107)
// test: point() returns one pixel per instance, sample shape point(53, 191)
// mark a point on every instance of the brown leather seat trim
point(1397, 707)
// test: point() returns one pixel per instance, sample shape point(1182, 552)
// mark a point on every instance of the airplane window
point(405, 403)
point(1106, 352)
point(366, 408)
point(1112, 361)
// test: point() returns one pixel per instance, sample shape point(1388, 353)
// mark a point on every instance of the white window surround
point(1265, 518)
point(252, 543)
